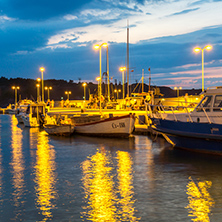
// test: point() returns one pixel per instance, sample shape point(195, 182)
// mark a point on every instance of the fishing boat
point(59, 129)
point(34, 115)
point(58, 126)
point(199, 130)
point(21, 111)
point(94, 125)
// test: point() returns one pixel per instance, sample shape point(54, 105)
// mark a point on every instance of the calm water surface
point(46, 178)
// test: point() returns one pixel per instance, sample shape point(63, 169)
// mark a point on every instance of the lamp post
point(37, 86)
point(67, 93)
point(100, 69)
point(38, 94)
point(84, 85)
point(15, 88)
point(197, 49)
point(119, 91)
point(122, 69)
point(98, 79)
point(178, 93)
point(48, 88)
point(42, 69)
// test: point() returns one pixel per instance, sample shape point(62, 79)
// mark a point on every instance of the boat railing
point(159, 110)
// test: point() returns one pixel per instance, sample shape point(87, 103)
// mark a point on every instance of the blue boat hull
point(202, 137)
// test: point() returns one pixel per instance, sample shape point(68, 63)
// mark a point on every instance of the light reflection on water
point(104, 201)
point(45, 176)
point(17, 162)
point(200, 201)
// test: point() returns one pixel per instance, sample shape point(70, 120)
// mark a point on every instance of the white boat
point(34, 115)
point(121, 126)
point(21, 111)
point(59, 129)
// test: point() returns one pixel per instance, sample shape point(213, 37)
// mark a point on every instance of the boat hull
point(59, 130)
point(201, 137)
point(121, 126)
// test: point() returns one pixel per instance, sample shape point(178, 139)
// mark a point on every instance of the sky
point(60, 35)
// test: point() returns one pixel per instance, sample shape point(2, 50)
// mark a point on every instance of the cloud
point(184, 11)
point(70, 17)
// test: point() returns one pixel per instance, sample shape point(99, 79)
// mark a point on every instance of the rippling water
point(45, 178)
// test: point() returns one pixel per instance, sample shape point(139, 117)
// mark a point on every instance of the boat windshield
point(205, 103)
point(217, 103)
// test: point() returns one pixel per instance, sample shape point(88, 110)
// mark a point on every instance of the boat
point(59, 126)
point(34, 115)
point(59, 129)
point(95, 125)
point(21, 111)
point(199, 130)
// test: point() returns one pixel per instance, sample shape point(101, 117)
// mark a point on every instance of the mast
point(142, 80)
point(127, 51)
point(149, 78)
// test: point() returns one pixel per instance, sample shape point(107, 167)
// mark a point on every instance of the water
point(46, 178)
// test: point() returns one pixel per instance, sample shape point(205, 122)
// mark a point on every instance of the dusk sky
point(60, 35)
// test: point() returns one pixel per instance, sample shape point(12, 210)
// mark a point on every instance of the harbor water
point(79, 178)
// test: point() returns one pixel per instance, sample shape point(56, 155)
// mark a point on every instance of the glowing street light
point(84, 85)
point(178, 93)
point(98, 79)
point(15, 88)
point(122, 69)
point(37, 86)
point(197, 49)
point(42, 69)
point(68, 93)
point(48, 88)
point(100, 68)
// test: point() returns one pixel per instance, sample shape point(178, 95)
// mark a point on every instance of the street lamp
point(48, 88)
point(98, 79)
point(178, 93)
point(119, 90)
point(67, 93)
point(100, 68)
point(84, 85)
point(122, 69)
point(42, 69)
point(197, 49)
point(37, 86)
point(15, 88)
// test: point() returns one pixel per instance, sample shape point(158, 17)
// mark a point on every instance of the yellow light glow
point(209, 47)
point(99, 189)
point(200, 201)
point(46, 88)
point(96, 46)
point(105, 45)
point(125, 188)
point(13, 87)
point(45, 176)
point(37, 85)
point(122, 69)
point(38, 79)
point(180, 87)
point(17, 162)
point(115, 90)
point(175, 87)
point(42, 69)
point(84, 84)
point(197, 49)
point(98, 79)
point(50, 88)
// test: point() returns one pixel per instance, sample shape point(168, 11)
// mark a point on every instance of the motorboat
point(21, 111)
point(112, 126)
point(34, 115)
point(199, 130)
point(59, 126)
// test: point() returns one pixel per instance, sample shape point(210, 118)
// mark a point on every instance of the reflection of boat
point(113, 126)
point(59, 129)
point(200, 130)
point(34, 115)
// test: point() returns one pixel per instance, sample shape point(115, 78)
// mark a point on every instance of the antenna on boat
point(142, 80)
point(127, 51)
point(149, 78)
